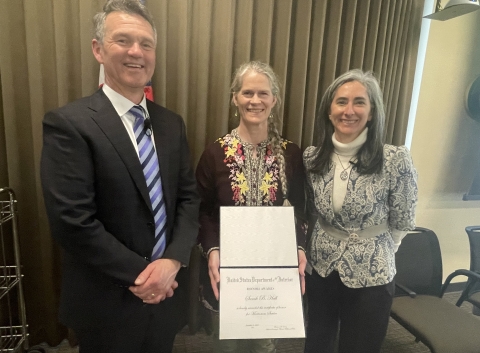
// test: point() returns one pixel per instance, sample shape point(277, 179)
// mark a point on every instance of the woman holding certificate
point(250, 166)
point(362, 195)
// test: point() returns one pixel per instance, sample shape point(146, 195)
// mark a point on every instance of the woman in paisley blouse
point(251, 166)
point(362, 195)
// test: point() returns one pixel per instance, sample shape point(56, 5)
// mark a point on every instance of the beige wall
point(446, 142)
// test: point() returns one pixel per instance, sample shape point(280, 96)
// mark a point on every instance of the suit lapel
point(106, 117)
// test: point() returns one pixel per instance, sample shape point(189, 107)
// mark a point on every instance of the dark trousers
point(152, 331)
point(362, 315)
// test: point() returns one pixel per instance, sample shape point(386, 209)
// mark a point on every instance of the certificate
point(260, 293)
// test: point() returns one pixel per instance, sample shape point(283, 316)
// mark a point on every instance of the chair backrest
point(474, 239)
point(419, 263)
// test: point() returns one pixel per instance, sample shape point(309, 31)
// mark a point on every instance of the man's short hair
point(131, 7)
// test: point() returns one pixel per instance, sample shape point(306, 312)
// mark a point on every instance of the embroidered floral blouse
point(384, 201)
point(228, 175)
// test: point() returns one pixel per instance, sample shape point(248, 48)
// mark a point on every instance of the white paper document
point(257, 236)
point(260, 294)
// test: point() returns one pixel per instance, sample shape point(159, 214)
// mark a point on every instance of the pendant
point(344, 175)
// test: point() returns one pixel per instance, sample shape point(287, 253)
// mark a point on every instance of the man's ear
point(97, 51)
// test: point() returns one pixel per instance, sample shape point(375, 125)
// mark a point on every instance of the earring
point(236, 113)
point(270, 116)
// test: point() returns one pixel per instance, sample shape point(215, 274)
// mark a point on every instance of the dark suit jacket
point(99, 209)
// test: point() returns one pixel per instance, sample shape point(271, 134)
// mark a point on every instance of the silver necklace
point(344, 173)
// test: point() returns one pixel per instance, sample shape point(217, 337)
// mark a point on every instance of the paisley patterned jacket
point(357, 242)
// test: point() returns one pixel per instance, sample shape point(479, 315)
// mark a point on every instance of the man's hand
point(213, 270)
point(302, 263)
point(157, 281)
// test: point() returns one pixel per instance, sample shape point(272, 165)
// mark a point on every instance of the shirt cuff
point(210, 250)
point(397, 236)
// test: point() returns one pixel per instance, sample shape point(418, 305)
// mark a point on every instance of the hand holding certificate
point(260, 293)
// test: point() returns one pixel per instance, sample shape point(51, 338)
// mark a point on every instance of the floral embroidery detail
point(269, 186)
point(242, 183)
point(254, 181)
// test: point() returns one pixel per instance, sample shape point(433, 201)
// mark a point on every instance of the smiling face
point(127, 53)
point(254, 100)
point(350, 111)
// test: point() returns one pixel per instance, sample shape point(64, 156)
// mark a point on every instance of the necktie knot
point(141, 122)
point(137, 112)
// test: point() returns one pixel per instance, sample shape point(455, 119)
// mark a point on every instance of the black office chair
point(471, 293)
point(418, 305)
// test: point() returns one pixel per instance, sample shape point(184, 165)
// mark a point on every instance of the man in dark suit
point(120, 196)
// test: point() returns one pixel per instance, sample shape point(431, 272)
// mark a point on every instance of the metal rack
point(13, 329)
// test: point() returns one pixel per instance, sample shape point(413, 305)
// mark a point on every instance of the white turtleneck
point(343, 154)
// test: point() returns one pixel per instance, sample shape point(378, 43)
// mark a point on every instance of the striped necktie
point(151, 170)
